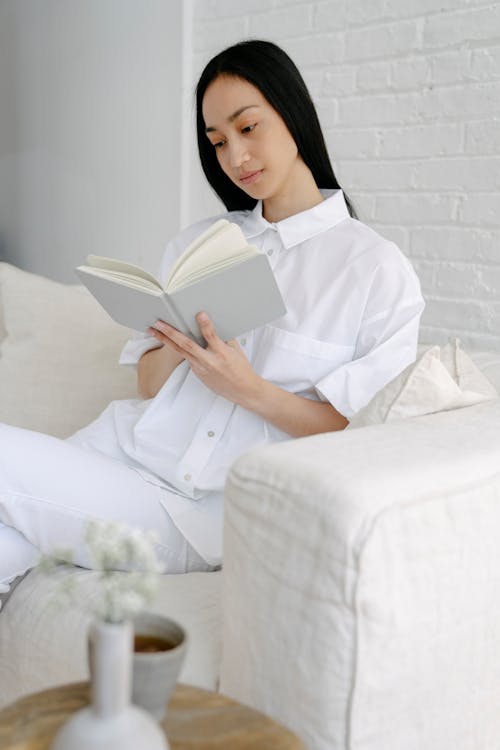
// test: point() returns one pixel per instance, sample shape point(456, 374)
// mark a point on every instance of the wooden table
point(196, 720)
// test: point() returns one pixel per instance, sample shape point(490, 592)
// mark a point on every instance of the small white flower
point(129, 568)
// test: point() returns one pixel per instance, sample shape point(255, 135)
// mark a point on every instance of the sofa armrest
point(362, 580)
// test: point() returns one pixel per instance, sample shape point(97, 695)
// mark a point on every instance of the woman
point(353, 309)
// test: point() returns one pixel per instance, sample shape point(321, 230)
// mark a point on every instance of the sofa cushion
point(59, 354)
point(440, 379)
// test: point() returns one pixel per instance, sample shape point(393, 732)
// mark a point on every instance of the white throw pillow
point(440, 379)
point(59, 355)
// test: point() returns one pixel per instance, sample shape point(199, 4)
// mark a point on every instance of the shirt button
point(270, 252)
point(243, 342)
point(210, 433)
point(187, 477)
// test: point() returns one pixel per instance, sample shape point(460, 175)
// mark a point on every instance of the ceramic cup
point(154, 675)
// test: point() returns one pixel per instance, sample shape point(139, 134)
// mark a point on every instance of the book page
point(120, 266)
point(125, 279)
point(191, 278)
point(213, 229)
point(220, 248)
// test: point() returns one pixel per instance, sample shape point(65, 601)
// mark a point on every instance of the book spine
point(174, 317)
point(191, 329)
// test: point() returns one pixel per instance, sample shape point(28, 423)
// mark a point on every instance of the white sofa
point(359, 602)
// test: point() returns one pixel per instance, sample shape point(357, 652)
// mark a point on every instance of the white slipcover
point(362, 575)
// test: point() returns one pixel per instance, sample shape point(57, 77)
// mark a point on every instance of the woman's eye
point(247, 128)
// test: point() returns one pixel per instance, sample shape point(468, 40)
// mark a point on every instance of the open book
point(219, 273)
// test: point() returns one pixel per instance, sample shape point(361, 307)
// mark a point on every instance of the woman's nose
point(238, 154)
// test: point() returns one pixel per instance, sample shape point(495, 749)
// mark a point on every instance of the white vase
point(111, 721)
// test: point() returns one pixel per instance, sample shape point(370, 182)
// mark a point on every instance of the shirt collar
point(302, 226)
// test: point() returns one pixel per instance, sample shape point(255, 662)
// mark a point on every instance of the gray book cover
point(238, 298)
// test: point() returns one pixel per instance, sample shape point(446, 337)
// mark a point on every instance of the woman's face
point(248, 136)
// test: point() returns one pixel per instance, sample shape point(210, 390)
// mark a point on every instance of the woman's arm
point(154, 368)
point(224, 368)
point(296, 415)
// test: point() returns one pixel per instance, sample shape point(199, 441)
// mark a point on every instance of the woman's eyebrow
point(233, 116)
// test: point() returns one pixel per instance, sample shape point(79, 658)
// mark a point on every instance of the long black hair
point(273, 72)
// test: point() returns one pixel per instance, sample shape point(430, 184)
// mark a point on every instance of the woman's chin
point(254, 188)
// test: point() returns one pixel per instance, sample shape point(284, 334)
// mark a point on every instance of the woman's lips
point(251, 177)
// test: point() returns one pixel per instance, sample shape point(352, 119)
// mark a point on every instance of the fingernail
point(203, 317)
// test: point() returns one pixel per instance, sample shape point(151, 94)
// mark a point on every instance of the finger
point(165, 340)
point(156, 334)
point(185, 345)
point(208, 330)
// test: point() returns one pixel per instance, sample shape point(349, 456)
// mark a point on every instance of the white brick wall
point(408, 94)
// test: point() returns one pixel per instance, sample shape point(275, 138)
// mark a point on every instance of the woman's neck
point(299, 194)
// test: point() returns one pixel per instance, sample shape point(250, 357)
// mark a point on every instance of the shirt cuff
point(350, 387)
point(136, 347)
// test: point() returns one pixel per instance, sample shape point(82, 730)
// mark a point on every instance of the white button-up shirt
point(353, 308)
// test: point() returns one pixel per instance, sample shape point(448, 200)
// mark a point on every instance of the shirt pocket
point(297, 362)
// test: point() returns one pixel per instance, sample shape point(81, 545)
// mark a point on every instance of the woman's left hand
point(222, 366)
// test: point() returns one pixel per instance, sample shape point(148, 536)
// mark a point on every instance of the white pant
point(49, 488)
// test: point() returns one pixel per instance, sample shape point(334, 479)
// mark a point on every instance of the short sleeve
point(387, 339)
